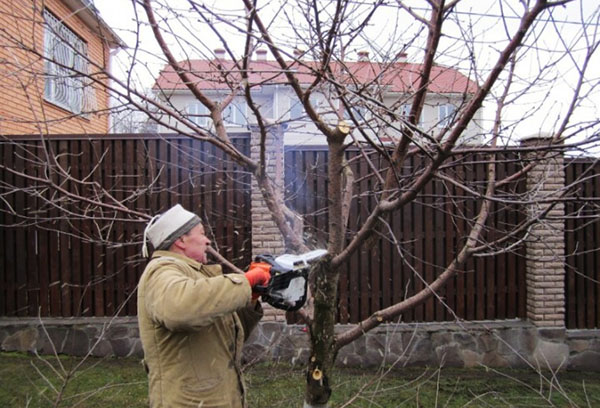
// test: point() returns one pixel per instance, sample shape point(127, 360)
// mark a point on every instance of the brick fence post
point(545, 245)
point(266, 238)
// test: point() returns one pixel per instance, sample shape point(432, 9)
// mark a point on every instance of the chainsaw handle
point(261, 290)
point(270, 259)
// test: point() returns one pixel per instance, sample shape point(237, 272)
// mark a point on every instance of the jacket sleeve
point(179, 302)
point(249, 317)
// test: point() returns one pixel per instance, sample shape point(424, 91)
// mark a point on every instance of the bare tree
point(506, 64)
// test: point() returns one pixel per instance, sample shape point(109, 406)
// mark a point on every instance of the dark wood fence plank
point(419, 251)
point(98, 264)
point(471, 270)
point(458, 220)
point(118, 232)
point(63, 266)
point(500, 211)
point(5, 235)
point(510, 260)
point(110, 271)
point(129, 253)
point(31, 271)
point(353, 266)
point(449, 227)
point(387, 270)
point(87, 260)
point(581, 283)
point(588, 261)
point(428, 249)
point(10, 242)
point(439, 237)
point(595, 271)
point(75, 256)
point(20, 241)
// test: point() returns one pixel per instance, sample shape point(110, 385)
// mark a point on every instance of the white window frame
point(446, 113)
point(66, 66)
point(198, 113)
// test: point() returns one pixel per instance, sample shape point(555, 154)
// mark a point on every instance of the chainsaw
point(288, 285)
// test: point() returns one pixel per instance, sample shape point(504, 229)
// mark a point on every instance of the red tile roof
point(401, 77)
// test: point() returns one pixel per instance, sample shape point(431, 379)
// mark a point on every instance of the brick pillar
point(266, 238)
point(545, 244)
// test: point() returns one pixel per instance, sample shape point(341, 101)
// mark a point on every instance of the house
point(393, 85)
point(46, 48)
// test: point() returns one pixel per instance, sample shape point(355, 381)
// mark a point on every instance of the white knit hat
point(164, 229)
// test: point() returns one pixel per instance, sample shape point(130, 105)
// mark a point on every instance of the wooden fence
point(582, 240)
point(429, 232)
point(56, 263)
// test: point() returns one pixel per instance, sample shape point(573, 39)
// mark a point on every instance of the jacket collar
point(209, 270)
point(169, 254)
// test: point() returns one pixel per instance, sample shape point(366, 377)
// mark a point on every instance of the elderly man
point(193, 319)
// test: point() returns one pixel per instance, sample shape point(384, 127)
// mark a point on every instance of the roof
point(87, 12)
point(401, 77)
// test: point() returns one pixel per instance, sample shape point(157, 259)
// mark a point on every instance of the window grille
point(66, 84)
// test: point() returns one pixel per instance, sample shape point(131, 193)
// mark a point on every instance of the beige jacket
point(193, 321)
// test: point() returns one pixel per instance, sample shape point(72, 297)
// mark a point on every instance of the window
point(296, 109)
point(446, 114)
point(405, 112)
point(235, 113)
point(65, 67)
point(358, 112)
point(198, 114)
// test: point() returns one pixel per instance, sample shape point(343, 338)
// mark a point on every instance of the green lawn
point(29, 381)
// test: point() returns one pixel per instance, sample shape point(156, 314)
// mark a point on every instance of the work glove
point(258, 274)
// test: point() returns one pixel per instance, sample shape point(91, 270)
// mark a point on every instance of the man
point(193, 319)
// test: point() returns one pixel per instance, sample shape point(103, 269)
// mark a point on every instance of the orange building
point(53, 55)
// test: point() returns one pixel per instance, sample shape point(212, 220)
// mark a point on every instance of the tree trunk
point(322, 335)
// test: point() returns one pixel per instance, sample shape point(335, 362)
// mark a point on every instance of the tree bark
point(322, 336)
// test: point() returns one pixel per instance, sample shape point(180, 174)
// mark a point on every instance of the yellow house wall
point(23, 109)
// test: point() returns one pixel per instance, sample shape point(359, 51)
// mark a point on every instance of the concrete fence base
point(512, 343)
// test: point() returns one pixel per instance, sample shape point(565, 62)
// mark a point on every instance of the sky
point(477, 19)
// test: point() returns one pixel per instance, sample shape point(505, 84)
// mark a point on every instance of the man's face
point(195, 244)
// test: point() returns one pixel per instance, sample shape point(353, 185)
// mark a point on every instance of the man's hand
point(258, 274)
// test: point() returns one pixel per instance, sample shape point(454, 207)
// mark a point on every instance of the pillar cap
point(540, 139)
point(539, 135)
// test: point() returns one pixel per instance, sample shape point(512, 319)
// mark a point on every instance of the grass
point(29, 381)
